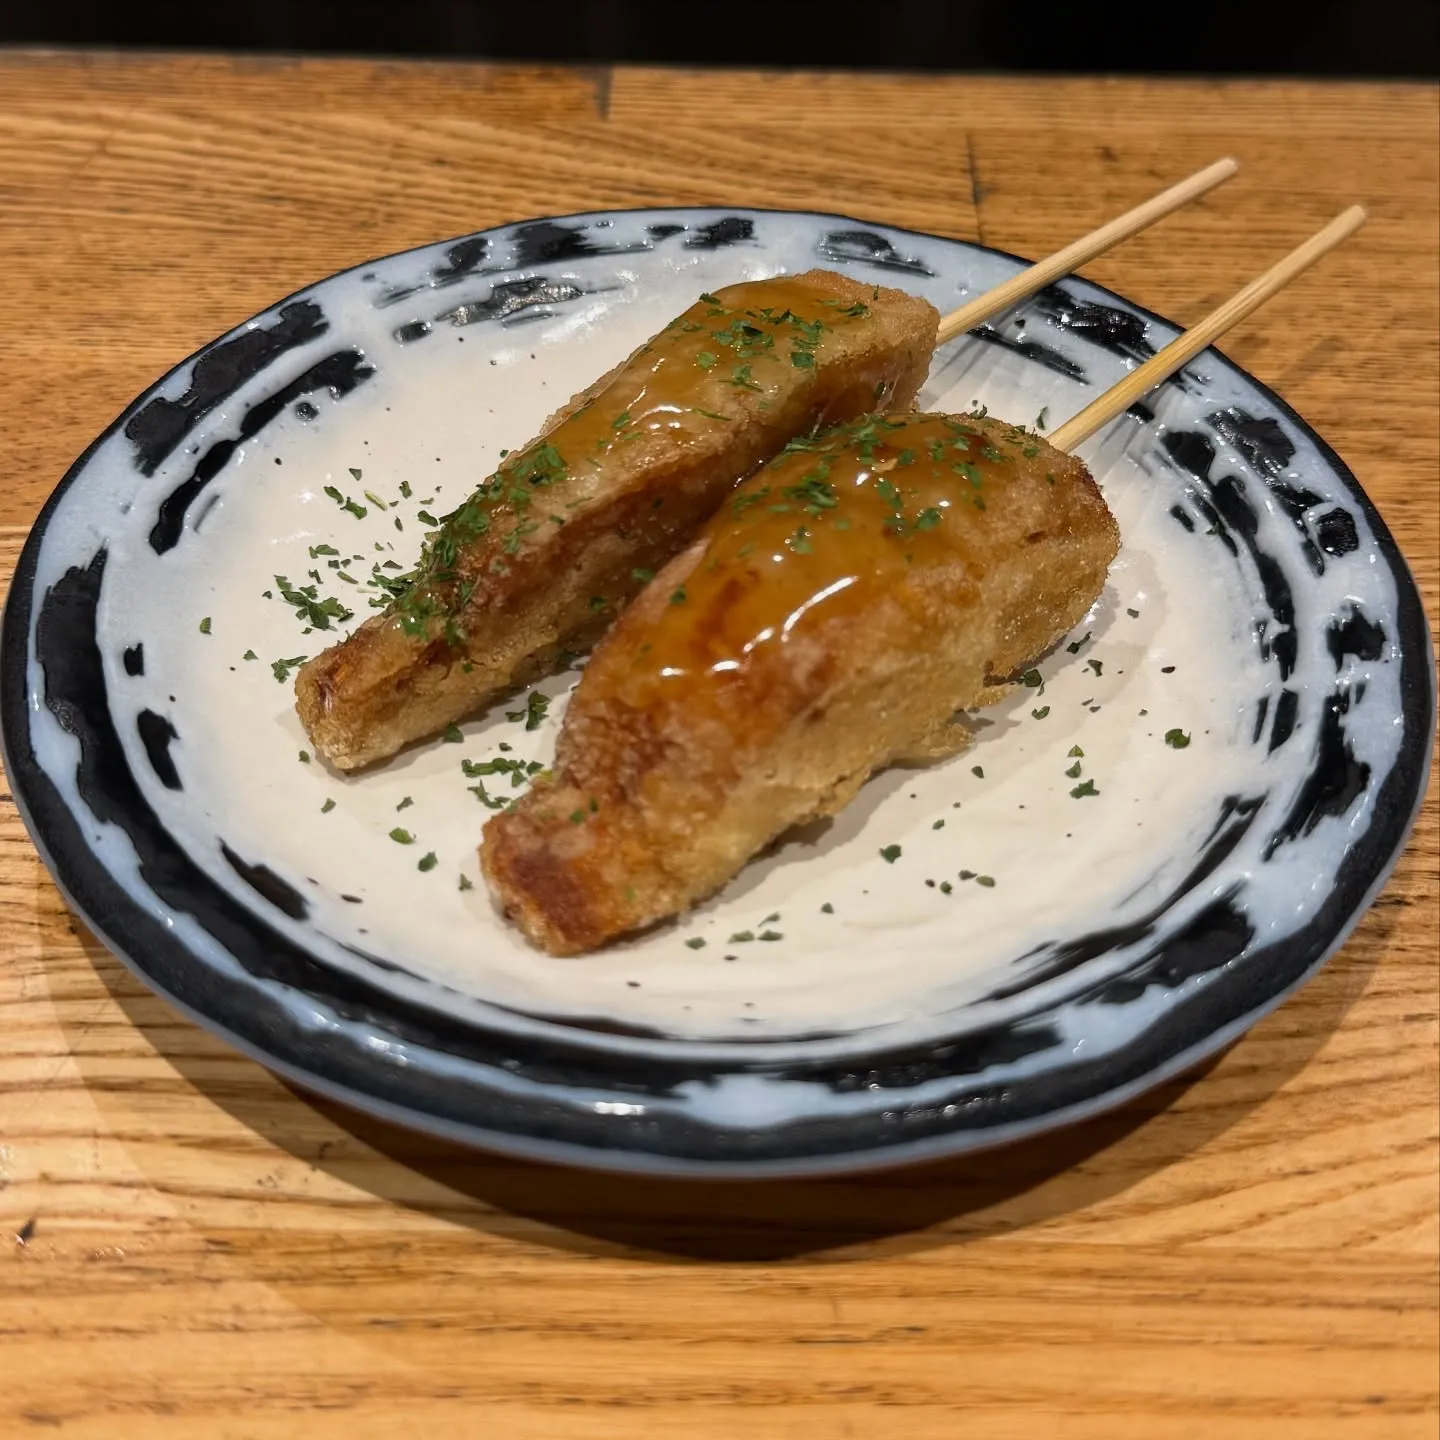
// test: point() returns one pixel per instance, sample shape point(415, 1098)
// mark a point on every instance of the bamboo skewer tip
point(1205, 332)
point(1086, 248)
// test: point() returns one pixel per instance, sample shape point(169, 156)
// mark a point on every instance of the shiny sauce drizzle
point(826, 529)
point(728, 355)
point(750, 348)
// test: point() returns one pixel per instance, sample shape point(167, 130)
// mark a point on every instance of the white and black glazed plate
point(1140, 854)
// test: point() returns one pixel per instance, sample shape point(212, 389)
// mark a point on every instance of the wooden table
point(189, 1249)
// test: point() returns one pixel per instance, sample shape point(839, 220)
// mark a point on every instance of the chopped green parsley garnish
point(1042, 418)
point(814, 492)
point(1074, 771)
point(1074, 646)
point(519, 771)
point(205, 626)
point(946, 887)
point(1177, 739)
point(346, 503)
point(315, 612)
point(740, 379)
point(328, 806)
point(741, 937)
point(890, 854)
point(696, 942)
point(1081, 791)
point(938, 825)
point(427, 861)
point(643, 576)
point(988, 881)
point(405, 804)
point(827, 908)
point(978, 771)
point(281, 668)
point(249, 655)
point(1041, 713)
point(533, 714)
point(304, 757)
point(1075, 753)
point(402, 837)
point(453, 735)
point(1096, 666)
point(770, 935)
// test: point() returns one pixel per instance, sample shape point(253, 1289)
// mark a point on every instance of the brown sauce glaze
point(747, 350)
point(826, 530)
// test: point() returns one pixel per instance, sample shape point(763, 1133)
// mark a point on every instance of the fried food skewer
point(844, 604)
point(559, 539)
point(846, 601)
point(543, 555)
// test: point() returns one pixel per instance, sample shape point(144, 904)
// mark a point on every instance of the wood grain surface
point(188, 1248)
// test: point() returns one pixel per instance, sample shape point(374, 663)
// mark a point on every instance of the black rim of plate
point(455, 1100)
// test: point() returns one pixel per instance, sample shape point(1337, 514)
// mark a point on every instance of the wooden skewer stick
point(1106, 407)
point(1086, 248)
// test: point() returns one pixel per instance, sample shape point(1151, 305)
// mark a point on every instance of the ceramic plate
point(1144, 849)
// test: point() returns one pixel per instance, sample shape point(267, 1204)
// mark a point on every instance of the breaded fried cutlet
point(554, 544)
point(831, 619)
